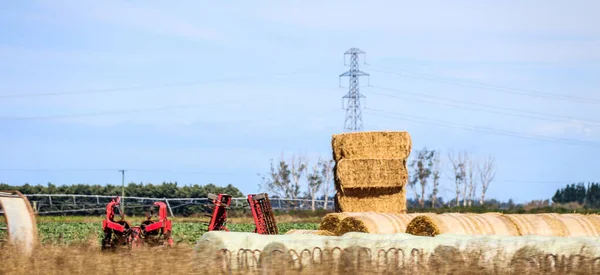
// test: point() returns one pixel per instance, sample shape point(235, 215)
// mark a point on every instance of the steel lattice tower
point(353, 120)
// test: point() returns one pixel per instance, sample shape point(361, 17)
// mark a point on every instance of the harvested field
point(380, 200)
point(377, 223)
point(371, 145)
point(370, 173)
point(470, 224)
point(310, 232)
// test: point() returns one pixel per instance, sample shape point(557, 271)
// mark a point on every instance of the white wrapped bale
point(385, 252)
point(20, 221)
point(233, 248)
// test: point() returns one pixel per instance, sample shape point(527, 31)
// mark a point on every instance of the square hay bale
point(359, 145)
point(371, 173)
point(379, 200)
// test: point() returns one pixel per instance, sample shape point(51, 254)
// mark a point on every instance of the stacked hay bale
point(376, 223)
point(556, 225)
point(370, 171)
point(331, 222)
point(468, 224)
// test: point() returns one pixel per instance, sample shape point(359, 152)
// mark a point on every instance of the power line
point(486, 86)
point(124, 111)
point(473, 106)
point(114, 169)
point(145, 87)
point(488, 130)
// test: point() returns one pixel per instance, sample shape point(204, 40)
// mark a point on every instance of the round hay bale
point(578, 225)
point(380, 145)
point(468, 224)
point(377, 223)
point(539, 224)
point(371, 173)
point(594, 219)
point(310, 232)
point(331, 221)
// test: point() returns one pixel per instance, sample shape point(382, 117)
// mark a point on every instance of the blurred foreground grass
point(181, 259)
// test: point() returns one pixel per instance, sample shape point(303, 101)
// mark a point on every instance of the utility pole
point(353, 120)
point(122, 191)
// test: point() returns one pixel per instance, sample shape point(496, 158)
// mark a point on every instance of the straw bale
point(380, 200)
point(331, 221)
point(377, 223)
point(577, 225)
point(310, 232)
point(359, 145)
point(371, 173)
point(468, 224)
point(594, 219)
point(539, 224)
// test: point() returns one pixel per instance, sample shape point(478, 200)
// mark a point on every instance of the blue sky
point(263, 79)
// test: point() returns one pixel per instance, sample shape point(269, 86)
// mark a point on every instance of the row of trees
point(467, 173)
point(95, 206)
point(585, 196)
point(164, 190)
point(300, 177)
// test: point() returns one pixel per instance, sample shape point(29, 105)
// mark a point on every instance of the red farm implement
point(218, 218)
point(116, 233)
point(121, 234)
point(155, 232)
point(264, 220)
point(260, 206)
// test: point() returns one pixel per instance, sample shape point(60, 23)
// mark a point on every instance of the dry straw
point(361, 145)
point(310, 232)
point(380, 200)
point(539, 224)
point(331, 221)
point(594, 219)
point(469, 224)
point(377, 223)
point(371, 173)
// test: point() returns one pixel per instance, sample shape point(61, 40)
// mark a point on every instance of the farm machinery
point(260, 206)
point(150, 232)
point(121, 234)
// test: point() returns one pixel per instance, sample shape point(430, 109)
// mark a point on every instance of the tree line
point(149, 190)
point(95, 206)
point(298, 176)
point(579, 194)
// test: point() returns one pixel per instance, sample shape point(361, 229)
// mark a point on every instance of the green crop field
point(183, 232)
